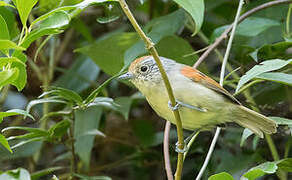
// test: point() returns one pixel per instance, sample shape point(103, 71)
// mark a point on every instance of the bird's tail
point(254, 121)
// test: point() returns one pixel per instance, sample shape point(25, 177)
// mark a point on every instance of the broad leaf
point(245, 134)
point(51, 25)
point(59, 129)
point(263, 67)
point(108, 53)
point(260, 170)
point(196, 9)
point(124, 105)
point(271, 51)
point(24, 7)
point(104, 102)
point(7, 44)
point(3, 3)
point(278, 77)
point(167, 47)
point(285, 164)
point(16, 174)
point(4, 32)
point(79, 76)
point(85, 120)
point(221, 176)
point(156, 30)
point(8, 76)
point(250, 27)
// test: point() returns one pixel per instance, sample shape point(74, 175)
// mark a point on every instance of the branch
point(167, 163)
point(241, 18)
point(150, 46)
point(212, 146)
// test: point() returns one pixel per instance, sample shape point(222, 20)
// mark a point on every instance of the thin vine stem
point(288, 20)
point(150, 46)
point(167, 163)
point(218, 129)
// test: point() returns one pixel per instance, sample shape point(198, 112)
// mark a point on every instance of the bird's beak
point(126, 76)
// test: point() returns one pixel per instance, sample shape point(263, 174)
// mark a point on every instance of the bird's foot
point(179, 150)
point(175, 107)
point(181, 104)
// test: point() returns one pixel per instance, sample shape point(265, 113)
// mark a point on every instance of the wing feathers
point(201, 78)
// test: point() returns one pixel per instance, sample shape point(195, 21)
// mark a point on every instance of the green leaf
point(21, 143)
point(272, 51)
point(14, 112)
point(8, 76)
point(82, 28)
point(167, 47)
point(124, 105)
point(10, 60)
point(39, 131)
point(45, 100)
point(221, 176)
point(59, 129)
point(11, 21)
point(36, 175)
point(52, 25)
point(108, 53)
point(85, 120)
point(260, 170)
point(67, 94)
point(245, 134)
point(84, 177)
point(24, 7)
point(4, 142)
point(3, 3)
point(250, 27)
point(285, 164)
point(196, 9)
point(156, 29)
point(263, 67)
point(16, 174)
point(78, 8)
point(104, 102)
point(27, 150)
point(278, 77)
point(21, 79)
point(253, 26)
point(283, 121)
point(4, 31)
point(7, 44)
point(79, 76)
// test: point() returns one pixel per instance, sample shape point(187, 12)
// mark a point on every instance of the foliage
point(61, 58)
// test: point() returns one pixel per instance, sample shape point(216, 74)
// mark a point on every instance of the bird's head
point(144, 70)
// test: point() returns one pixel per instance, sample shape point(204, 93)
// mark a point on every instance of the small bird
point(201, 101)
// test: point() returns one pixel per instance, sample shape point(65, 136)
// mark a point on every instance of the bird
point(202, 103)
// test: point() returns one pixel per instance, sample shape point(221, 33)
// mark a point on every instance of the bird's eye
point(144, 68)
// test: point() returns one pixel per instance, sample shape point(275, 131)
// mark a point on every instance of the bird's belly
point(191, 119)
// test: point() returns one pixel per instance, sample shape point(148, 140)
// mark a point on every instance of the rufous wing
point(201, 78)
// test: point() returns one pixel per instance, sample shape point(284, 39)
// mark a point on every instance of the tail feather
point(254, 121)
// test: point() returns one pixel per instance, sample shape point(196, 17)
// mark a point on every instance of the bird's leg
point(186, 141)
point(181, 104)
